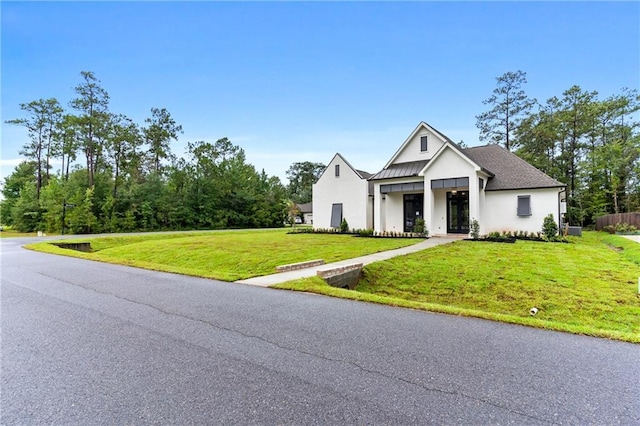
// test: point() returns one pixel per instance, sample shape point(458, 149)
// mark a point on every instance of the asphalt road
point(88, 343)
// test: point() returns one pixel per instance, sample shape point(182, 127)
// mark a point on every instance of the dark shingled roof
point(507, 169)
point(365, 175)
point(306, 207)
point(411, 168)
point(510, 171)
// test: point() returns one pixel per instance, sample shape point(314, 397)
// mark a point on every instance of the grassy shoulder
point(225, 255)
point(588, 287)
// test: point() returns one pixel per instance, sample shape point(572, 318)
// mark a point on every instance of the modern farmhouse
point(432, 178)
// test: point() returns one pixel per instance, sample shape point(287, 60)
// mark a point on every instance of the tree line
point(120, 176)
point(588, 143)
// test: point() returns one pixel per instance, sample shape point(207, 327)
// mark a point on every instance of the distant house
point(306, 210)
point(432, 178)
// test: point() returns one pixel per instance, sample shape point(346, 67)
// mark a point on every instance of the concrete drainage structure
point(85, 247)
point(342, 276)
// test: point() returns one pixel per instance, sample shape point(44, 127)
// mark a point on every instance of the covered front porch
point(446, 205)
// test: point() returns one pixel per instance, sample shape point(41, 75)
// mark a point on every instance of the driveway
point(91, 343)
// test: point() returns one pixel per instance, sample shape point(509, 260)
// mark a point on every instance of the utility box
point(575, 231)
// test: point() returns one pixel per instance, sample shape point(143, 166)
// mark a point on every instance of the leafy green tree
point(509, 105)
point(23, 176)
point(69, 136)
point(93, 122)
point(160, 131)
point(293, 211)
point(302, 176)
point(41, 123)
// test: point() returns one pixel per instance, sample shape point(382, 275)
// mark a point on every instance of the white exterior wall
point(412, 151)
point(308, 218)
point(348, 189)
point(438, 223)
point(501, 212)
point(448, 165)
point(389, 212)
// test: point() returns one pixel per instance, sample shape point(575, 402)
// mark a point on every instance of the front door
point(413, 205)
point(458, 212)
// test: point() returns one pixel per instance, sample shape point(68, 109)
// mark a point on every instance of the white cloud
point(11, 162)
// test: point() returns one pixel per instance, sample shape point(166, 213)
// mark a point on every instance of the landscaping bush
point(419, 226)
point(344, 226)
point(624, 228)
point(549, 228)
point(475, 229)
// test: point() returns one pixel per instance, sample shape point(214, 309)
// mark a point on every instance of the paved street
point(88, 343)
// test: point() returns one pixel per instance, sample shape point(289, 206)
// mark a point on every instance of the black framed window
point(337, 170)
point(524, 205)
point(423, 143)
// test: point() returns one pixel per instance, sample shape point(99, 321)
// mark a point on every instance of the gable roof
point(509, 170)
point(421, 125)
point(505, 169)
point(306, 207)
point(361, 174)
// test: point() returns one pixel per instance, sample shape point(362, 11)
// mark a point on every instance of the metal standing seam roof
point(399, 170)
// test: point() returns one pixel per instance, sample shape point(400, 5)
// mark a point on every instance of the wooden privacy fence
point(632, 218)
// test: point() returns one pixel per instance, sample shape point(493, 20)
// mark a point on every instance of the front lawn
point(225, 255)
point(588, 287)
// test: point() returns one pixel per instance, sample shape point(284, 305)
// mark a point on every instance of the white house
point(306, 210)
point(342, 192)
point(432, 178)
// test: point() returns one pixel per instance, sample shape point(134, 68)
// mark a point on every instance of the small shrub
point(549, 228)
point(625, 228)
point(364, 232)
point(419, 226)
point(344, 226)
point(475, 229)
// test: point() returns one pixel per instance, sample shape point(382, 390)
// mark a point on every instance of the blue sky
point(300, 81)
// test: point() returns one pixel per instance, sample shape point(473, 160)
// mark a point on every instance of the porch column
point(377, 208)
point(474, 199)
point(428, 206)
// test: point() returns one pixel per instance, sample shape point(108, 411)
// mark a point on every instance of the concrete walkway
point(635, 238)
point(268, 280)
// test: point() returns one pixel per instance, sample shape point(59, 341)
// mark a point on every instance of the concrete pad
point(269, 280)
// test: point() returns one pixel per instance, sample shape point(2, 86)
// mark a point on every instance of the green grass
point(587, 287)
point(225, 255)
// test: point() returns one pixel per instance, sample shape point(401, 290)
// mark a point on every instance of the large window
point(524, 205)
point(336, 215)
point(423, 143)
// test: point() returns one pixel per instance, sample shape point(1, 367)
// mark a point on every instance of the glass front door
point(413, 205)
point(458, 212)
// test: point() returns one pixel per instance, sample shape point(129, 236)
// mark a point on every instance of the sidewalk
point(268, 280)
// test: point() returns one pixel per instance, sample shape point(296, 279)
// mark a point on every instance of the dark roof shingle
point(510, 171)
